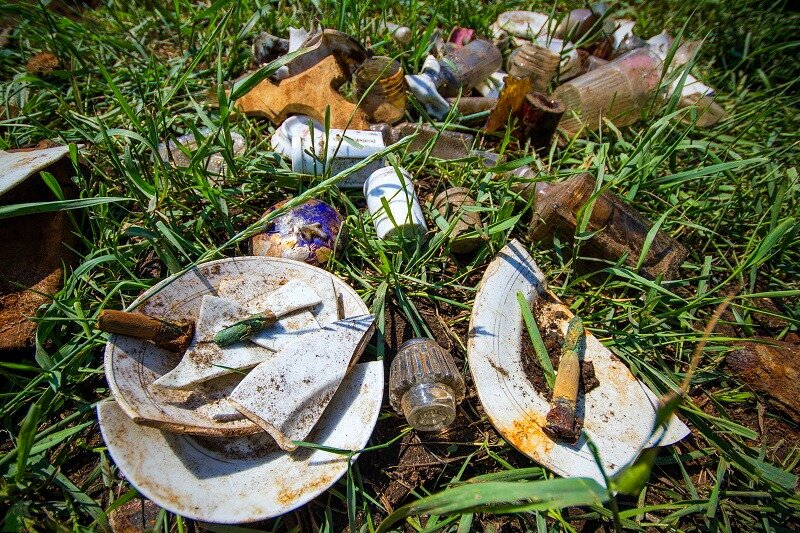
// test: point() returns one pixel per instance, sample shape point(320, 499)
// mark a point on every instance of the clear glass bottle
point(618, 228)
point(425, 385)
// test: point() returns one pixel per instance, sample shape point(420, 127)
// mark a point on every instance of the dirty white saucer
point(243, 479)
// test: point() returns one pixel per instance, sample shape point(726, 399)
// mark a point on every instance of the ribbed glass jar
point(425, 385)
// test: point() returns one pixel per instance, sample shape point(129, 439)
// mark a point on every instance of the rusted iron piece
point(308, 93)
point(539, 117)
point(619, 414)
point(509, 103)
point(287, 395)
point(588, 377)
point(186, 474)
point(174, 337)
point(132, 365)
point(43, 64)
point(771, 369)
point(36, 247)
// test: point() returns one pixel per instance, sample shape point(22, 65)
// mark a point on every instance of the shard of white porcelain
point(205, 360)
point(286, 330)
point(619, 414)
point(288, 394)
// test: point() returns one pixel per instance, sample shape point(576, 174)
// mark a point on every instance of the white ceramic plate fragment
point(132, 365)
point(243, 479)
point(619, 414)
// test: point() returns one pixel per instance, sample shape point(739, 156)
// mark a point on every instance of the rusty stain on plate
point(132, 365)
point(229, 481)
point(618, 414)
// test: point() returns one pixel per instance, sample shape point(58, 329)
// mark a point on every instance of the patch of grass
point(135, 75)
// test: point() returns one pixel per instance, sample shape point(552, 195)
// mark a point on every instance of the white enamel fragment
point(287, 395)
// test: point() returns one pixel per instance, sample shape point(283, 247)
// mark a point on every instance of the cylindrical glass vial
point(618, 90)
point(425, 385)
point(619, 228)
point(381, 79)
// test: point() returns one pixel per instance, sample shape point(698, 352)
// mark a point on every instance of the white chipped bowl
point(132, 365)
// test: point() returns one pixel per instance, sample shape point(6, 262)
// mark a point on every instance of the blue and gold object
point(308, 232)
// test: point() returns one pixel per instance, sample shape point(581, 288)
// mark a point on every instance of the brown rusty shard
point(307, 93)
point(772, 370)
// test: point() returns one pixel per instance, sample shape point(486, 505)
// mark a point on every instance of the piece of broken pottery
point(132, 365)
point(243, 479)
point(205, 360)
point(619, 414)
point(287, 395)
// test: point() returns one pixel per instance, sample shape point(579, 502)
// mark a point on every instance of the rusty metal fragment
point(771, 369)
point(308, 93)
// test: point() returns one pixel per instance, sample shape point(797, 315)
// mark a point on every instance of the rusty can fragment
point(451, 202)
point(618, 229)
point(380, 85)
point(771, 369)
point(425, 385)
point(540, 116)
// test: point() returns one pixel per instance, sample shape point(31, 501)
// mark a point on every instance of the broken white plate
point(132, 365)
point(19, 166)
point(243, 479)
point(288, 394)
point(618, 415)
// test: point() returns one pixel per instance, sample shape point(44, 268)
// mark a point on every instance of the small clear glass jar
point(425, 385)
